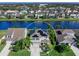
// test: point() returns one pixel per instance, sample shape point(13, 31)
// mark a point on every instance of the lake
point(39, 25)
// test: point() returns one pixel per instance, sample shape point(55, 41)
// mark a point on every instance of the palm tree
point(26, 42)
point(52, 35)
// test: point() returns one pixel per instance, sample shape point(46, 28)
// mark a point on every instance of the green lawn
point(52, 52)
point(50, 19)
point(2, 33)
point(1, 47)
point(20, 53)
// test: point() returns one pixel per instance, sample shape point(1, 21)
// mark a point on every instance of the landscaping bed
point(21, 48)
point(52, 52)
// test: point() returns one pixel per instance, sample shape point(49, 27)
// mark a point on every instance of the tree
point(60, 48)
point(52, 34)
point(26, 42)
point(22, 44)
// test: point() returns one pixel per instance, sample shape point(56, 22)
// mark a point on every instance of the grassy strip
point(20, 53)
point(1, 47)
point(2, 33)
point(50, 19)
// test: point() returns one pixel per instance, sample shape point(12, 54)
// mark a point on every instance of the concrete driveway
point(75, 50)
point(35, 50)
point(6, 50)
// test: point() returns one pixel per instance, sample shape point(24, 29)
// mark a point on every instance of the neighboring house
point(68, 32)
point(69, 37)
point(75, 11)
point(23, 12)
point(38, 14)
point(31, 11)
point(12, 13)
point(2, 14)
point(76, 33)
point(68, 10)
point(24, 8)
point(78, 15)
point(73, 15)
point(63, 15)
point(66, 36)
point(30, 14)
point(15, 34)
point(68, 40)
point(52, 15)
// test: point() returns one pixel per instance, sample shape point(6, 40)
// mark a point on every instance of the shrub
point(44, 47)
point(3, 42)
point(60, 48)
point(21, 44)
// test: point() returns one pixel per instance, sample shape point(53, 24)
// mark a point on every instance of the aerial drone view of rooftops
point(39, 29)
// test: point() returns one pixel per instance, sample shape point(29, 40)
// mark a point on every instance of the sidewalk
point(6, 50)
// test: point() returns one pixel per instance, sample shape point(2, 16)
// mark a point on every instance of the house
point(66, 36)
point(73, 15)
point(68, 10)
point(69, 37)
point(38, 14)
point(14, 34)
point(40, 37)
point(2, 14)
point(23, 12)
point(12, 13)
point(30, 14)
point(68, 32)
point(24, 8)
point(77, 15)
point(52, 15)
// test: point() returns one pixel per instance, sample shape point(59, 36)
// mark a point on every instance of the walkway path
point(75, 50)
point(35, 50)
point(6, 50)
